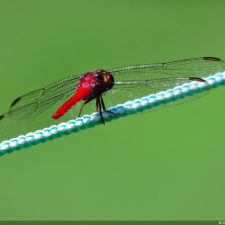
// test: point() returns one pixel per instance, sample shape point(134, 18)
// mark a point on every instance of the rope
point(130, 107)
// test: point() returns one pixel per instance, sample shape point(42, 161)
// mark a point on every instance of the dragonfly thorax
point(99, 82)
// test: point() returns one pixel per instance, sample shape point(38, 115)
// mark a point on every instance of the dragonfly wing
point(34, 116)
point(134, 82)
point(49, 91)
point(123, 93)
point(195, 67)
point(34, 110)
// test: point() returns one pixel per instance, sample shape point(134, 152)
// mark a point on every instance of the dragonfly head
point(106, 78)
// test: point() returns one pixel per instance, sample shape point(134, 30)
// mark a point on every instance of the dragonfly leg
point(97, 103)
point(83, 106)
point(103, 106)
point(99, 109)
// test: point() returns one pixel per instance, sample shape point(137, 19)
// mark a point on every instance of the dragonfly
point(76, 95)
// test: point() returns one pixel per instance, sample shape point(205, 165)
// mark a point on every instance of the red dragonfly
point(60, 100)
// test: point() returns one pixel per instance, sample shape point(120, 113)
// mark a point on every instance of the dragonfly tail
point(80, 94)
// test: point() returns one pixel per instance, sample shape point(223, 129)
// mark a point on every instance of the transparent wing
point(41, 95)
point(137, 81)
point(197, 67)
point(34, 110)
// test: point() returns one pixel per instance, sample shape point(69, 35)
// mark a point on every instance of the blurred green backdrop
point(164, 165)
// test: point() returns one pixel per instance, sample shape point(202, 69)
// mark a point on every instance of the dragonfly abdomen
point(80, 94)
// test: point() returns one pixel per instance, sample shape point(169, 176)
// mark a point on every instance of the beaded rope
point(130, 107)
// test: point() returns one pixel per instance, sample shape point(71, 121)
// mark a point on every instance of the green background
point(164, 165)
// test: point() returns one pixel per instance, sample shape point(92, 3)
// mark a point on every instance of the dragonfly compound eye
point(107, 78)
